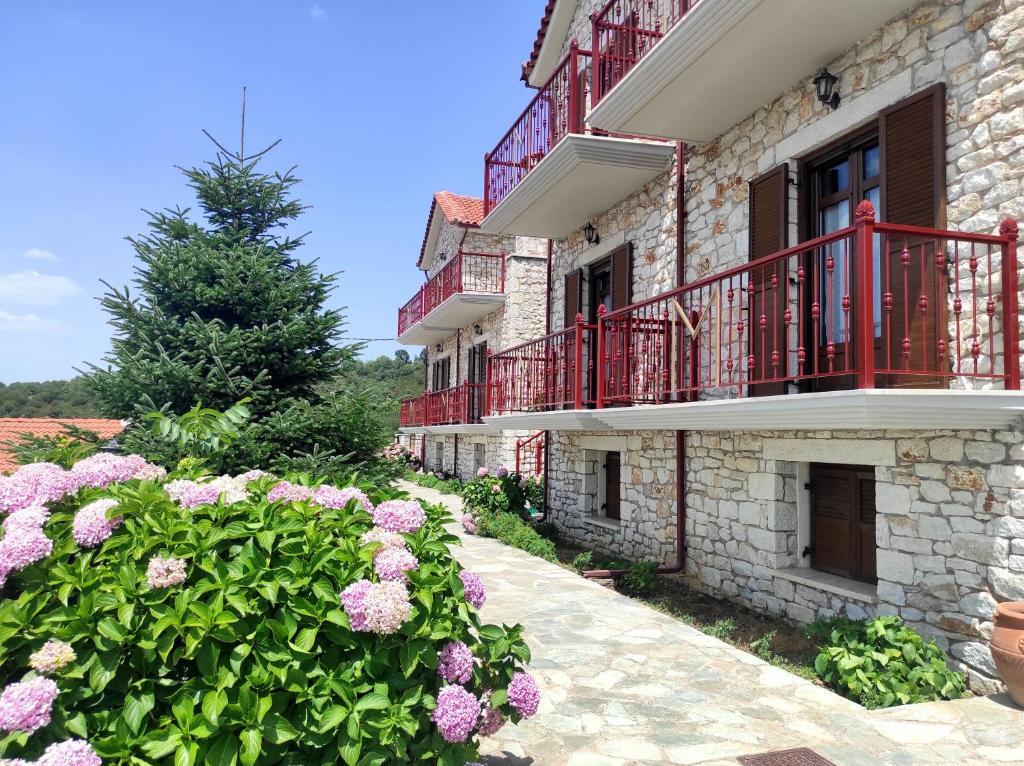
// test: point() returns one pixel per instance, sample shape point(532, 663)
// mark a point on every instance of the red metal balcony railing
point(624, 31)
point(530, 454)
point(871, 305)
point(456, 405)
point(544, 374)
point(465, 273)
point(556, 111)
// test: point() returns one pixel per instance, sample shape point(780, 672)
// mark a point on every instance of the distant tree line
point(50, 399)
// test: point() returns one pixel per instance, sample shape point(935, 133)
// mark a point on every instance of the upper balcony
point(454, 410)
point(691, 69)
point(777, 343)
point(467, 288)
point(550, 173)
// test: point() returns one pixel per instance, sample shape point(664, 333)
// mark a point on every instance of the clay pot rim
point(1013, 610)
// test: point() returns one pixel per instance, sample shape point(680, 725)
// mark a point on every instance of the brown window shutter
point(573, 284)
point(913, 143)
point(622, 276)
point(768, 213)
point(613, 478)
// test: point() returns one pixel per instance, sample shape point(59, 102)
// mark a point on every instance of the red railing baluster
point(1011, 332)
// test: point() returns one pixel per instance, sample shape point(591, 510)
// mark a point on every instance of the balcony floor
point(460, 310)
point(905, 409)
point(723, 60)
point(582, 177)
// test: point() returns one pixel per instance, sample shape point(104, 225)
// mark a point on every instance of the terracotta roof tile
point(459, 209)
point(539, 41)
point(11, 429)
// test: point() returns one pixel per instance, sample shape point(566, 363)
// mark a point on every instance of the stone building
point(783, 299)
point(481, 292)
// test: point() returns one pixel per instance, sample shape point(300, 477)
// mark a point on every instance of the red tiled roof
point(11, 429)
point(459, 209)
point(539, 41)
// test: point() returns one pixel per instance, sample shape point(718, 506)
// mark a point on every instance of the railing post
point(599, 370)
point(574, 91)
point(487, 183)
point(519, 448)
point(488, 381)
point(578, 381)
point(864, 322)
point(596, 85)
point(1011, 331)
point(504, 257)
point(458, 273)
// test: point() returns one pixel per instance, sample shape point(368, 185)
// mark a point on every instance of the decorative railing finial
point(865, 211)
point(1008, 228)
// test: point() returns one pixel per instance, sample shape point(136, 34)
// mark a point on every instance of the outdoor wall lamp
point(825, 83)
point(478, 329)
point(591, 234)
point(437, 348)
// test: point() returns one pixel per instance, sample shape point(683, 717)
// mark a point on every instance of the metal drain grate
point(800, 756)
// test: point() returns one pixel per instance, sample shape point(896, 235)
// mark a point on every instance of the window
point(843, 520)
point(610, 506)
point(479, 456)
point(439, 456)
point(442, 374)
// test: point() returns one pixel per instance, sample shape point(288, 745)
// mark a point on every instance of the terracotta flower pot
point(1008, 647)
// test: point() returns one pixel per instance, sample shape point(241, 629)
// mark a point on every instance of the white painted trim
point(602, 249)
point(851, 451)
point(604, 523)
point(604, 443)
point(830, 583)
point(554, 38)
point(803, 514)
point(852, 114)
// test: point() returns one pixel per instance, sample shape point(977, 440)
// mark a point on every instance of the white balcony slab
point(892, 408)
point(412, 430)
point(459, 310)
point(463, 428)
point(580, 178)
point(555, 420)
point(724, 60)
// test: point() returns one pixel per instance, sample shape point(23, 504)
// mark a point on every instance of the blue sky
point(378, 104)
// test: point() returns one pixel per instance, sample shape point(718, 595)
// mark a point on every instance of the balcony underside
point(723, 60)
point(459, 310)
point(454, 428)
point(903, 409)
point(582, 177)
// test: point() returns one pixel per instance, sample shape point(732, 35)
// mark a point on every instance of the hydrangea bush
point(271, 623)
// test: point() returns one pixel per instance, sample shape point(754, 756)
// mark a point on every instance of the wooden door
point(612, 486)
point(843, 520)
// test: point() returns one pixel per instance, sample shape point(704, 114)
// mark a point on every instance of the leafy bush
point(201, 622)
point(449, 486)
point(497, 492)
point(512, 530)
point(722, 629)
point(641, 576)
point(882, 662)
point(583, 561)
point(64, 449)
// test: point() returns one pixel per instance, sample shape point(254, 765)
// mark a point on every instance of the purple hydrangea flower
point(163, 573)
point(523, 694)
point(352, 602)
point(376, 607)
point(399, 516)
point(332, 497)
point(393, 563)
point(70, 752)
point(26, 706)
point(103, 469)
point(456, 713)
point(22, 546)
point(502, 472)
point(91, 525)
point(473, 586)
point(31, 517)
point(491, 720)
point(289, 493)
point(455, 663)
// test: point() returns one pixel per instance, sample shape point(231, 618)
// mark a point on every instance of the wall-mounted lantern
point(824, 84)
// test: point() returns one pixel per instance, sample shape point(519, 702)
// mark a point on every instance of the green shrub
point(251, 659)
point(449, 486)
point(497, 492)
point(641, 576)
point(882, 662)
point(512, 530)
point(64, 449)
point(722, 629)
point(583, 561)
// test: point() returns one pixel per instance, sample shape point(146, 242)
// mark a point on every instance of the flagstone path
point(624, 685)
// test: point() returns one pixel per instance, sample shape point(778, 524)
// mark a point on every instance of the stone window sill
point(601, 521)
point(841, 586)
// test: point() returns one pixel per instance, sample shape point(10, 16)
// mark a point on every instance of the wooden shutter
point(843, 520)
point(866, 544)
point(573, 285)
point(768, 230)
point(612, 480)
point(912, 138)
point(622, 276)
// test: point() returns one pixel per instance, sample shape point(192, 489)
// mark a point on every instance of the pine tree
point(222, 308)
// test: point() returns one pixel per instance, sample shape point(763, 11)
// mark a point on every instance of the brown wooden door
point(477, 374)
point(769, 202)
point(843, 520)
point(612, 483)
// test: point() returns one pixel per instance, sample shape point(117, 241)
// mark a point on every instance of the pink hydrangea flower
point(482, 471)
point(455, 663)
point(495, 488)
point(70, 752)
point(289, 493)
point(376, 607)
point(163, 573)
point(456, 713)
point(332, 497)
point(103, 469)
point(502, 472)
point(468, 523)
point(52, 657)
point(393, 563)
point(26, 706)
point(399, 516)
point(491, 720)
point(151, 472)
point(15, 494)
point(22, 546)
point(523, 694)
point(189, 494)
point(31, 517)
point(473, 586)
point(383, 537)
point(91, 525)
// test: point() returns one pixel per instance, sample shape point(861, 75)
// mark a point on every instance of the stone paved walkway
point(625, 685)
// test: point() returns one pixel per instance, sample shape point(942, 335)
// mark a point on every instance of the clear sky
point(378, 104)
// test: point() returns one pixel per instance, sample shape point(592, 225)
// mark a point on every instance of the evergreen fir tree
point(222, 308)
